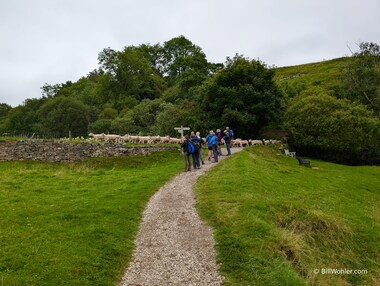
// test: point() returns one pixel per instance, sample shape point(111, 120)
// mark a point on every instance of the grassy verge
point(277, 223)
point(74, 224)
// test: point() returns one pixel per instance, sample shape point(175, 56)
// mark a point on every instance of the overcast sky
point(53, 41)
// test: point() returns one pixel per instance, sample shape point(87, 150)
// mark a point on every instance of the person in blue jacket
point(212, 145)
point(209, 145)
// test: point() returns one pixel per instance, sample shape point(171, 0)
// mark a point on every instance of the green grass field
point(278, 223)
point(74, 224)
point(326, 74)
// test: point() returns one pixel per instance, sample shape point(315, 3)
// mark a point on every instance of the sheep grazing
point(165, 139)
point(134, 139)
point(238, 142)
point(244, 143)
point(256, 142)
point(144, 139)
point(156, 139)
point(175, 141)
point(97, 136)
point(112, 138)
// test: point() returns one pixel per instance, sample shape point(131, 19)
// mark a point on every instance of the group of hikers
point(192, 145)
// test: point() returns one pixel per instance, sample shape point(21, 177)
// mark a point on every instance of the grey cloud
point(55, 41)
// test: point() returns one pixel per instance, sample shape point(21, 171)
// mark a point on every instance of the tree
point(132, 73)
point(60, 115)
point(361, 77)
point(145, 113)
point(171, 116)
point(21, 119)
point(185, 64)
point(4, 109)
point(243, 96)
point(323, 126)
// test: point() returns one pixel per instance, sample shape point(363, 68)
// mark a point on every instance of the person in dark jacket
point(186, 154)
point(219, 137)
point(201, 142)
point(227, 140)
point(196, 142)
point(231, 134)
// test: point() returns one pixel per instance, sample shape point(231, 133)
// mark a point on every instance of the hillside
point(278, 223)
point(326, 74)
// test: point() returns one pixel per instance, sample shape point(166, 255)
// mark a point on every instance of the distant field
point(278, 223)
point(74, 224)
point(326, 74)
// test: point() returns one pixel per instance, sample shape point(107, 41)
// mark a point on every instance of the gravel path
point(173, 245)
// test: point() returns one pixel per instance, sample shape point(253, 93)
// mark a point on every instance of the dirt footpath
point(173, 246)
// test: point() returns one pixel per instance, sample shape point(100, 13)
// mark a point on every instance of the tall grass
point(278, 223)
point(326, 74)
point(74, 224)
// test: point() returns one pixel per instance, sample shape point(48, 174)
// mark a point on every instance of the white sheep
point(165, 139)
point(256, 142)
point(144, 139)
point(97, 136)
point(175, 141)
point(112, 138)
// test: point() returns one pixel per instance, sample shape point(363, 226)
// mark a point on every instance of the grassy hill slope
point(326, 74)
point(278, 223)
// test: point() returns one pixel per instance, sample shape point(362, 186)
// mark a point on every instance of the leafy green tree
point(125, 125)
point(361, 78)
point(62, 114)
point(154, 55)
point(4, 109)
point(185, 64)
point(145, 113)
point(323, 126)
point(171, 116)
point(132, 73)
point(21, 119)
point(108, 113)
point(242, 96)
point(100, 126)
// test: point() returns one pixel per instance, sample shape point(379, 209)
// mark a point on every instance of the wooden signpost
point(181, 129)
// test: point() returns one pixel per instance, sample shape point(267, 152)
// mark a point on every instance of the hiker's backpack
point(190, 148)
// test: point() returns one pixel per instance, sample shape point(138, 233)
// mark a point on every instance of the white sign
point(181, 129)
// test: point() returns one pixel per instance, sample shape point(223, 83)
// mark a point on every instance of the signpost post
point(181, 129)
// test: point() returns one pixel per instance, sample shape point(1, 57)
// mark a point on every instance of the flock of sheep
point(167, 139)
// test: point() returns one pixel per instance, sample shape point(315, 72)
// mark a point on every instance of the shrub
point(333, 129)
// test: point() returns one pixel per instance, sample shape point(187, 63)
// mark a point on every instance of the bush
point(242, 96)
point(60, 115)
point(325, 127)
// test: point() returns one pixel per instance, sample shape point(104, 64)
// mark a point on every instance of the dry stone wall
point(63, 151)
